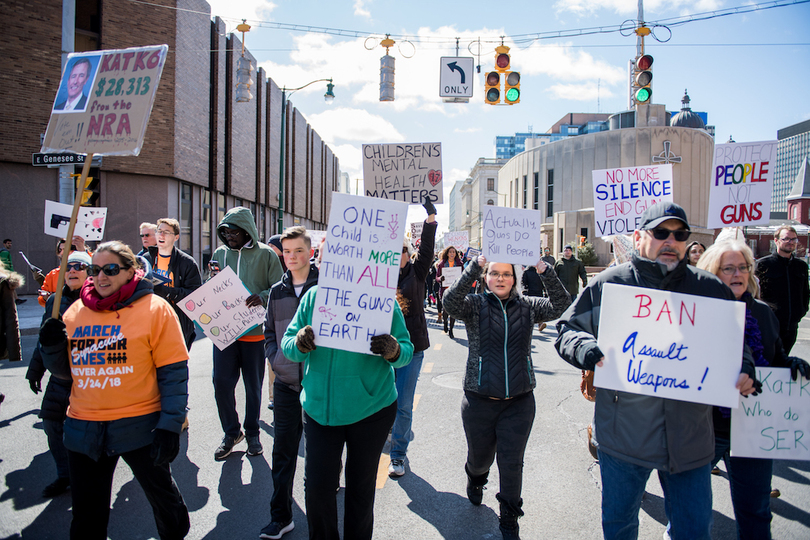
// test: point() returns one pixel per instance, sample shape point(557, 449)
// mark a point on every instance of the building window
point(490, 184)
point(549, 192)
point(525, 190)
point(562, 244)
point(205, 223)
point(490, 202)
point(185, 218)
point(517, 188)
point(536, 204)
point(510, 194)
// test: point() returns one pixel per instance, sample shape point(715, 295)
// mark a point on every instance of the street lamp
point(328, 97)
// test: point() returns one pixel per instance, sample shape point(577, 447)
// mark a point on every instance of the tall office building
point(791, 151)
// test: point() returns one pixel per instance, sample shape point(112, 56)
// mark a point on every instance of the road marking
point(416, 400)
point(382, 470)
point(428, 367)
point(438, 347)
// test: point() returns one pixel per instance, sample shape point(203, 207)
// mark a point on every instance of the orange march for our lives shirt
point(114, 359)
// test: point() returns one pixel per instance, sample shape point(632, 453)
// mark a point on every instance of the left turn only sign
point(456, 76)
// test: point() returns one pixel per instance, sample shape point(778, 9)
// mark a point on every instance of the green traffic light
point(512, 95)
point(642, 95)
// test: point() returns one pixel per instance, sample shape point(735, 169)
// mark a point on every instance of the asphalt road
point(230, 500)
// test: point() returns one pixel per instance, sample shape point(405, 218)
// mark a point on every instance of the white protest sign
point(670, 345)
point(776, 423)
point(451, 275)
point(403, 172)
point(458, 239)
point(89, 223)
point(218, 308)
point(741, 184)
point(316, 237)
point(107, 112)
point(359, 271)
point(621, 195)
point(512, 235)
point(416, 232)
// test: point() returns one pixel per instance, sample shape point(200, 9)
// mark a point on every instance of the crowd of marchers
point(114, 299)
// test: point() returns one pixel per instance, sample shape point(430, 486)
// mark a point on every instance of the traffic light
point(512, 88)
point(643, 78)
point(492, 94)
point(90, 193)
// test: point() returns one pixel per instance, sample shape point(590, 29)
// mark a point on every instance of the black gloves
point(592, 356)
point(386, 346)
point(53, 333)
point(36, 386)
point(797, 365)
point(428, 205)
point(165, 447)
point(305, 340)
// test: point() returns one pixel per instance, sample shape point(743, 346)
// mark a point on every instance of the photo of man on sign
point(76, 83)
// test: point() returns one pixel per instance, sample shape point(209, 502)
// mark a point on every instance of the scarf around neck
point(115, 301)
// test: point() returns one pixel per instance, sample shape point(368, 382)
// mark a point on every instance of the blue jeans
point(407, 378)
point(247, 358)
point(750, 483)
point(687, 499)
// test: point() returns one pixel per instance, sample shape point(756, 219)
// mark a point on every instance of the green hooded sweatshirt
point(256, 264)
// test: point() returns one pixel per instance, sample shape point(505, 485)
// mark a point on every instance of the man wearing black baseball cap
point(636, 434)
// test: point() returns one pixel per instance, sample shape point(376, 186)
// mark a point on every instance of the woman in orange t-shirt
point(123, 348)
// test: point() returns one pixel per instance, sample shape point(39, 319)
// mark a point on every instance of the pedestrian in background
point(571, 271)
point(448, 258)
point(693, 252)
point(498, 407)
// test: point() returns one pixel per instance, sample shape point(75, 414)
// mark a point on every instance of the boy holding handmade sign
point(638, 433)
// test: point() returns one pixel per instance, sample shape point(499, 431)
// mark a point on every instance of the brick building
point(203, 153)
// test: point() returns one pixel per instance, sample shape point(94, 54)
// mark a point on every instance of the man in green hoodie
point(258, 267)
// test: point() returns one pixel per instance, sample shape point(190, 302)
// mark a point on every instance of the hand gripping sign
point(670, 345)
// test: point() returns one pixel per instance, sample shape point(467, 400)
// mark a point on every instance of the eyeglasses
point(76, 266)
point(109, 269)
point(498, 275)
point(144, 235)
point(659, 233)
point(789, 240)
point(231, 232)
point(729, 270)
point(163, 233)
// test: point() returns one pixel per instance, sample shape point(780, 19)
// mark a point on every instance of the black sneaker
point(226, 447)
point(276, 530)
point(254, 445)
point(475, 494)
point(56, 488)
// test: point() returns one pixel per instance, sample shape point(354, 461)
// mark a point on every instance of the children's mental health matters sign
point(621, 195)
point(104, 101)
point(511, 235)
point(218, 308)
point(403, 172)
point(776, 423)
point(670, 345)
point(359, 271)
point(741, 184)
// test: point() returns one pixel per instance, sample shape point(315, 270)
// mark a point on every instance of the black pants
point(789, 335)
point(499, 427)
point(289, 425)
point(364, 441)
point(91, 482)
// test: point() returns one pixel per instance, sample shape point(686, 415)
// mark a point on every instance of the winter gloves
point(305, 340)
point(53, 333)
point(165, 447)
point(386, 346)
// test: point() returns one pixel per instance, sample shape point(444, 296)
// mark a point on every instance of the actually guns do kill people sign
point(104, 101)
point(403, 172)
point(741, 184)
point(511, 235)
point(218, 308)
point(89, 223)
point(458, 239)
point(670, 345)
point(359, 271)
point(776, 423)
point(621, 195)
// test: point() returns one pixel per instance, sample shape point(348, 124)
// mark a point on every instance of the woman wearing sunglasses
point(57, 392)
point(749, 478)
point(124, 351)
point(498, 406)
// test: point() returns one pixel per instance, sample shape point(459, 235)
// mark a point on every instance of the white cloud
point(359, 9)
point(626, 7)
point(252, 10)
point(562, 62)
point(579, 92)
point(353, 125)
point(468, 130)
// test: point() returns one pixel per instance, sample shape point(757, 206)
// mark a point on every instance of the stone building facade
point(203, 153)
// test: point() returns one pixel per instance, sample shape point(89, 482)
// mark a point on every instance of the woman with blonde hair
point(749, 478)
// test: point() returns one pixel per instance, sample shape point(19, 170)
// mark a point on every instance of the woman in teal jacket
point(348, 399)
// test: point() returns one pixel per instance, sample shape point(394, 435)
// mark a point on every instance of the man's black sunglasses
point(108, 269)
point(681, 235)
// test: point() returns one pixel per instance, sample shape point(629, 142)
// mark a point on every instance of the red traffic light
point(644, 62)
point(502, 61)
